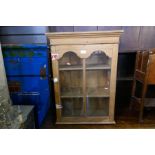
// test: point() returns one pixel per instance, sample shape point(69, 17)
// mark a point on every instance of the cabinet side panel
point(113, 81)
point(55, 69)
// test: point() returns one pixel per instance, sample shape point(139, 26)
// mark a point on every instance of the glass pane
point(70, 61)
point(99, 60)
point(72, 107)
point(70, 66)
point(98, 83)
point(98, 71)
point(97, 106)
point(71, 83)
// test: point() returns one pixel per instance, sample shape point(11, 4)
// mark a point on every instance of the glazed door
point(84, 85)
point(71, 85)
point(98, 70)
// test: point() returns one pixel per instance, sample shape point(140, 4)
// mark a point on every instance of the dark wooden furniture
point(144, 76)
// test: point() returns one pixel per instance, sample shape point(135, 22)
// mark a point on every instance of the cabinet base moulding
point(111, 122)
point(88, 120)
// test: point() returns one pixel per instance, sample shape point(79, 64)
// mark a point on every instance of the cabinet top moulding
point(91, 37)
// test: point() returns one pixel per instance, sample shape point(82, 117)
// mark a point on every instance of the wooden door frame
point(110, 51)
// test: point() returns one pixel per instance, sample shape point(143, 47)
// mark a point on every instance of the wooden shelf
point(149, 102)
point(71, 96)
point(124, 78)
point(99, 96)
point(98, 92)
point(90, 96)
point(96, 67)
point(89, 67)
point(70, 67)
point(93, 93)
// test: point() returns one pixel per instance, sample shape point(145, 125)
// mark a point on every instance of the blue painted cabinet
point(28, 77)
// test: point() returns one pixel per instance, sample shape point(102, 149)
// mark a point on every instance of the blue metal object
point(28, 76)
point(25, 60)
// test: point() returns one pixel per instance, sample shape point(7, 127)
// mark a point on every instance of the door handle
point(55, 80)
point(59, 106)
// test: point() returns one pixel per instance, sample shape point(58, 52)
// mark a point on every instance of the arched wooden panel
point(83, 51)
point(98, 57)
point(70, 58)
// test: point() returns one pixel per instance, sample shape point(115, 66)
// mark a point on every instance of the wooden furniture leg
point(133, 93)
point(134, 81)
point(142, 102)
